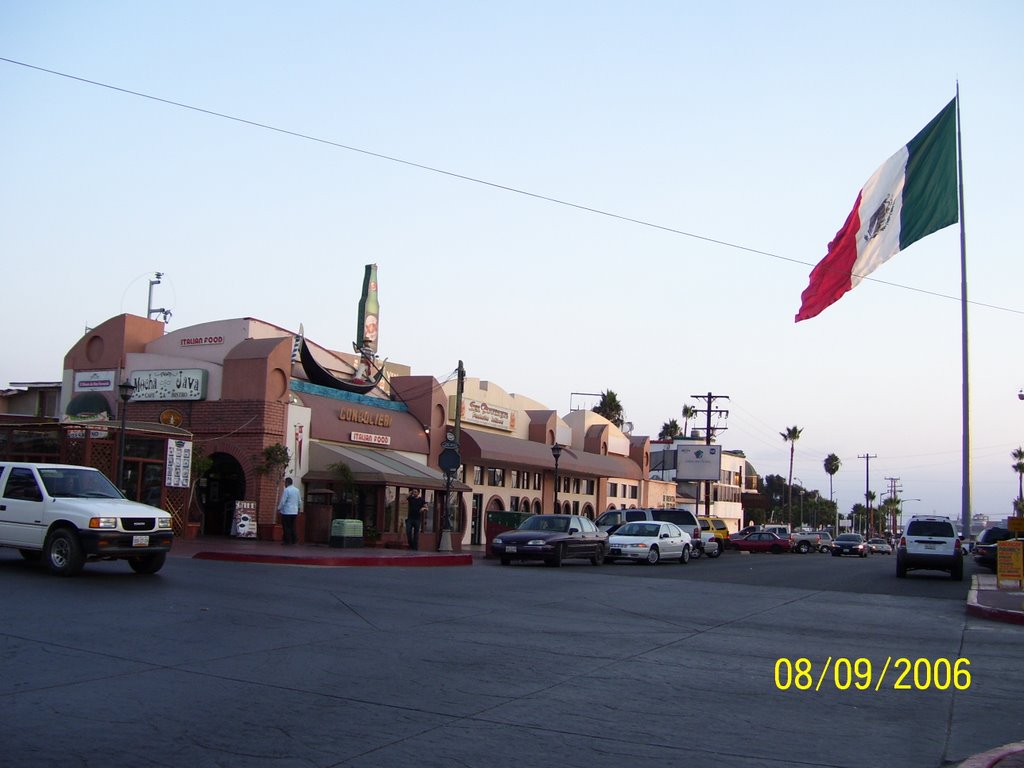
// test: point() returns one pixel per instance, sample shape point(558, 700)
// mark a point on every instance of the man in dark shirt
point(414, 519)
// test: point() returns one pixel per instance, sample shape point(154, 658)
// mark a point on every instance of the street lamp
point(126, 390)
point(801, 500)
point(556, 451)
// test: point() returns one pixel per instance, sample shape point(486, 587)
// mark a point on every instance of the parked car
point(825, 541)
point(68, 515)
point(849, 544)
point(804, 541)
point(684, 518)
point(761, 541)
point(552, 538)
point(930, 543)
point(879, 547)
point(717, 527)
point(649, 542)
point(985, 549)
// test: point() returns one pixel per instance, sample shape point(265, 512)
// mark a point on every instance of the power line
point(484, 182)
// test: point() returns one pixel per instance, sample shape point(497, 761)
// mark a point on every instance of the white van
point(68, 515)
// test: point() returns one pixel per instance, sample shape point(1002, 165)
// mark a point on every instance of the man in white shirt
point(289, 510)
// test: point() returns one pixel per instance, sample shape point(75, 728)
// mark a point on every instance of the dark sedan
point(552, 538)
point(760, 541)
point(985, 549)
point(849, 544)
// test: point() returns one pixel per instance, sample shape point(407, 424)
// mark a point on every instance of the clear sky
point(754, 124)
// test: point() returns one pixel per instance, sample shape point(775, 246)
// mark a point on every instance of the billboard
point(698, 462)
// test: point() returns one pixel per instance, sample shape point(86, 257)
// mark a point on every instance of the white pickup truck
point(67, 515)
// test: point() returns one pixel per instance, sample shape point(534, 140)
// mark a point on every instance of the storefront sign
point(181, 384)
point(179, 464)
point(94, 381)
point(369, 438)
point(76, 434)
point(365, 417)
point(200, 341)
point(243, 520)
point(1009, 561)
point(172, 417)
point(487, 415)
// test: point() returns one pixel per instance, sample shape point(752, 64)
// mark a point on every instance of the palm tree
point(669, 430)
point(832, 464)
point(689, 412)
point(611, 408)
point(791, 435)
point(1017, 454)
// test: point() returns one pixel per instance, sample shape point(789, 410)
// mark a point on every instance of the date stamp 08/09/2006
point(861, 674)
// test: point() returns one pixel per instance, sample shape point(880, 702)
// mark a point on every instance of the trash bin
point(346, 533)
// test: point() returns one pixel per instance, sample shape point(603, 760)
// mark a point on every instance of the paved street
point(237, 664)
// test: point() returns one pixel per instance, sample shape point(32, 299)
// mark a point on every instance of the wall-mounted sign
point(200, 341)
point(94, 381)
point(698, 462)
point(362, 416)
point(181, 384)
point(179, 464)
point(487, 415)
point(370, 438)
point(172, 417)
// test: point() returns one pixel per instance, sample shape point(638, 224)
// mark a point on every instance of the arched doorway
point(222, 486)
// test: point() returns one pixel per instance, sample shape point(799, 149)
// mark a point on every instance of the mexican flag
point(913, 194)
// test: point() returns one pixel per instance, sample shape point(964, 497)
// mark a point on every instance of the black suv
point(985, 549)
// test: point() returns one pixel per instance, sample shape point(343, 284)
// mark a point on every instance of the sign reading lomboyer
point(365, 417)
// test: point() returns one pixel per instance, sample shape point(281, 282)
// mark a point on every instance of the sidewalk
point(275, 553)
point(987, 601)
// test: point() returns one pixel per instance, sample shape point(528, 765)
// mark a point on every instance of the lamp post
point(126, 390)
point(556, 451)
point(801, 482)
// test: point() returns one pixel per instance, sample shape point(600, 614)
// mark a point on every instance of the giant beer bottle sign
point(369, 311)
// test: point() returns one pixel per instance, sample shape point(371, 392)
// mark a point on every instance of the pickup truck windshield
point(71, 483)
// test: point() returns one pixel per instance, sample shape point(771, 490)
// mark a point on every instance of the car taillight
point(957, 545)
point(903, 541)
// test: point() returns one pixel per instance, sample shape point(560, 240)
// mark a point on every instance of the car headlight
point(638, 545)
point(497, 540)
point(536, 542)
point(103, 522)
point(163, 523)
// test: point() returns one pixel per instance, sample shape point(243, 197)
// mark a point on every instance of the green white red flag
point(913, 194)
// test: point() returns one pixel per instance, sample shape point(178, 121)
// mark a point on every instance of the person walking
point(289, 510)
point(414, 519)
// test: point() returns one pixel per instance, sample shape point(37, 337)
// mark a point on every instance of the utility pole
point(709, 433)
point(867, 488)
point(450, 460)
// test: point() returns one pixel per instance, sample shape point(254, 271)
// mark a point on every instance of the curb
point(991, 758)
point(975, 608)
point(399, 560)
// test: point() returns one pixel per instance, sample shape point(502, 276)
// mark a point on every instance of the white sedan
point(649, 542)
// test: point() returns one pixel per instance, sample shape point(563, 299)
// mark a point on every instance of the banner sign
point(181, 384)
point(179, 464)
point(95, 381)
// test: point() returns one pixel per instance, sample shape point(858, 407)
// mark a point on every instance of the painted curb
point(401, 561)
point(991, 758)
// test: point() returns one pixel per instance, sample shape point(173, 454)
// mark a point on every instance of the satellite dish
point(627, 427)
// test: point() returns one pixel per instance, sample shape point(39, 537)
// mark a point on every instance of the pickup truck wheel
point(147, 564)
point(32, 555)
point(803, 547)
point(653, 556)
point(685, 558)
point(717, 552)
point(64, 553)
point(823, 548)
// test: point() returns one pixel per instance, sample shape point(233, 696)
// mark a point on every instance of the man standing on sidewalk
point(414, 519)
point(289, 509)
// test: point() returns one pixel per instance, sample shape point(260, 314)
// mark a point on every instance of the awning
point(373, 466)
point(86, 404)
point(487, 446)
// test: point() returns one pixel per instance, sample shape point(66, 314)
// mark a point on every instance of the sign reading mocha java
point(365, 417)
point(182, 384)
point(487, 415)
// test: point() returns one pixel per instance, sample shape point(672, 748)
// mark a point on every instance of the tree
point(275, 460)
point(669, 430)
point(689, 412)
point(1017, 454)
point(791, 435)
point(832, 464)
point(611, 408)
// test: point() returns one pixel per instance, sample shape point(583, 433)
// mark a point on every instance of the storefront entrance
point(222, 486)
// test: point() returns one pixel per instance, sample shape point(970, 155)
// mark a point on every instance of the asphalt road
point(234, 664)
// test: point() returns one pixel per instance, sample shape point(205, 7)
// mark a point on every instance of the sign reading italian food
point(370, 438)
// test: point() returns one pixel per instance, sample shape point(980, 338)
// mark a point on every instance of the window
point(513, 505)
point(21, 484)
point(496, 477)
point(536, 481)
point(576, 485)
point(565, 484)
point(588, 487)
point(478, 475)
point(613, 489)
point(633, 491)
point(575, 507)
point(514, 477)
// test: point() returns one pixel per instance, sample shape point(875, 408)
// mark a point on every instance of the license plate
point(930, 546)
point(510, 548)
point(140, 541)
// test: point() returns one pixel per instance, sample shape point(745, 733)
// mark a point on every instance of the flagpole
point(965, 511)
